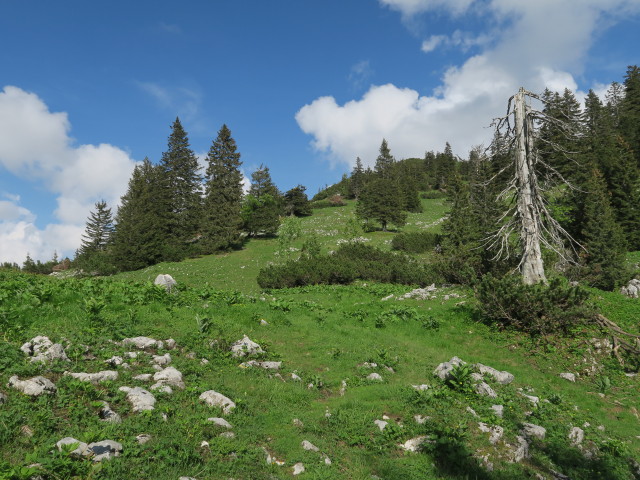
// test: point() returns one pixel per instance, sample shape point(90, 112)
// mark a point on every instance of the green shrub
point(536, 309)
point(434, 194)
point(350, 262)
point(415, 242)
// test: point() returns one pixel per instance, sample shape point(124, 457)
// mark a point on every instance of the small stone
point(169, 377)
point(374, 377)
point(26, 431)
point(295, 378)
point(215, 399)
point(298, 423)
point(227, 435)
point(162, 359)
point(343, 388)
point(309, 446)
point(327, 461)
point(496, 432)
point(265, 365)
point(80, 451)
point(263, 322)
point(503, 378)
point(115, 361)
point(421, 387)
point(220, 422)
point(298, 468)
point(108, 415)
point(143, 377)
point(601, 428)
point(204, 361)
point(131, 355)
point(471, 411)
point(141, 343)
point(166, 281)
point(381, 424)
point(143, 438)
point(498, 410)
point(159, 387)
point(532, 399)
point(521, 451)
point(170, 343)
point(245, 347)
point(413, 444)
point(568, 376)
point(421, 419)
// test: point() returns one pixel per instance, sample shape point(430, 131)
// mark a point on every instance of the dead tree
point(527, 216)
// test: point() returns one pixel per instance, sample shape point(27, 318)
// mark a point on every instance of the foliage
point(536, 309)
point(350, 262)
point(296, 202)
point(416, 242)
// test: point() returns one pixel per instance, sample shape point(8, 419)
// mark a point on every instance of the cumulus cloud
point(531, 48)
point(35, 145)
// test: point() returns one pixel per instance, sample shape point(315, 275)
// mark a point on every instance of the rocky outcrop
point(41, 349)
point(215, 399)
point(139, 398)
point(245, 347)
point(95, 378)
point(631, 289)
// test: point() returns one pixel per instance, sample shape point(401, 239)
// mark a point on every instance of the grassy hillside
point(327, 338)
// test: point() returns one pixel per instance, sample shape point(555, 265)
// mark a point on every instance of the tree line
point(172, 211)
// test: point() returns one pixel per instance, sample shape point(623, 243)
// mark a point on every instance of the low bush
point(353, 261)
point(433, 194)
point(536, 309)
point(416, 242)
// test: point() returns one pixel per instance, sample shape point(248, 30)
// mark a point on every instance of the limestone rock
point(165, 280)
point(170, 343)
point(576, 435)
point(143, 438)
point(413, 444)
point(498, 410)
point(421, 387)
point(41, 349)
point(105, 450)
point(34, 386)
point(221, 422)
point(503, 378)
point(215, 399)
point(520, 451)
point(108, 415)
point(568, 376)
point(115, 361)
point(298, 468)
point(265, 365)
point(95, 378)
point(485, 390)
point(375, 377)
point(162, 359)
point(529, 430)
point(3, 398)
point(159, 387)
point(381, 424)
point(245, 347)
point(143, 377)
point(140, 398)
point(307, 445)
point(496, 432)
point(141, 342)
point(443, 370)
point(632, 289)
point(421, 419)
point(169, 377)
point(80, 451)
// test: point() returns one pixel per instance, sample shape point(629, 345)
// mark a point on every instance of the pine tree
point(222, 225)
point(142, 222)
point(445, 167)
point(180, 167)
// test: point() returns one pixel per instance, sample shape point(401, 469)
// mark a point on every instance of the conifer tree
point(180, 167)
point(603, 239)
point(142, 221)
point(382, 200)
point(357, 179)
point(630, 110)
point(222, 219)
point(93, 254)
point(262, 207)
point(385, 161)
point(296, 202)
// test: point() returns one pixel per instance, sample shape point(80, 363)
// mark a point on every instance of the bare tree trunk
point(531, 264)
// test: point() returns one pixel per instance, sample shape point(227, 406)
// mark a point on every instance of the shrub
point(433, 194)
point(536, 309)
point(352, 261)
point(415, 242)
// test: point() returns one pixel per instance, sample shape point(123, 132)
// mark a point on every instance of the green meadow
point(330, 339)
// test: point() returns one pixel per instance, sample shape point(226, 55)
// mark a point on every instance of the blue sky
point(87, 89)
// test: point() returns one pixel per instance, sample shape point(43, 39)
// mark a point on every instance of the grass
point(323, 334)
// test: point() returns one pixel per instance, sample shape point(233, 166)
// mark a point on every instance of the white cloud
point(531, 48)
point(182, 101)
point(35, 145)
point(360, 73)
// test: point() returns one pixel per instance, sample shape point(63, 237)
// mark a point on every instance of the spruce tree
point(382, 200)
point(142, 222)
point(222, 219)
point(603, 239)
point(180, 167)
point(630, 111)
point(385, 161)
point(93, 254)
point(356, 180)
point(262, 207)
point(296, 202)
